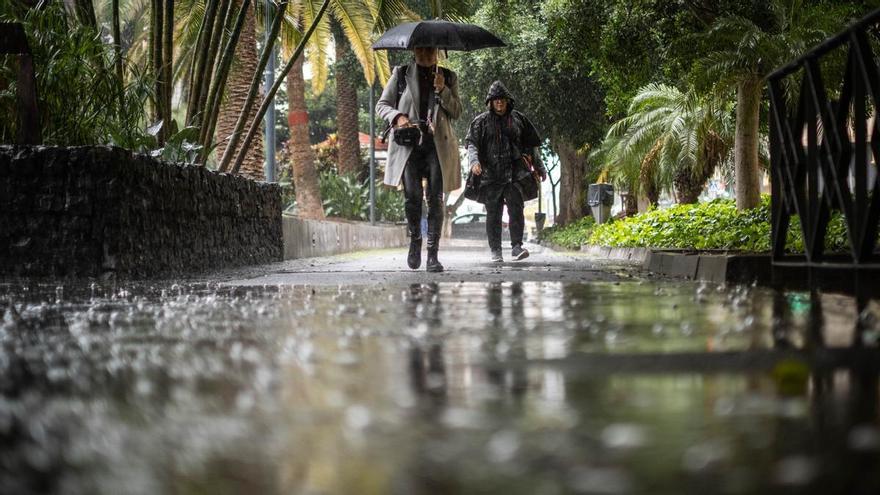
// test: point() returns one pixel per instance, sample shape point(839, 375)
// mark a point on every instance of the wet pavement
point(352, 375)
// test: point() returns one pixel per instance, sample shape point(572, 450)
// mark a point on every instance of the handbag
point(408, 135)
point(529, 184)
point(472, 187)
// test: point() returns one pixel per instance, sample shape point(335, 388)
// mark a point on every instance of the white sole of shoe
point(523, 255)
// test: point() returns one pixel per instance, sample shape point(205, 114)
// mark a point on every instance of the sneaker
point(518, 253)
point(496, 257)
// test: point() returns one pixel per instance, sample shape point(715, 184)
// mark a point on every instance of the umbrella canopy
point(444, 35)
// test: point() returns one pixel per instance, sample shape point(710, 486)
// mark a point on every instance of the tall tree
point(560, 97)
point(237, 89)
point(355, 22)
point(346, 106)
point(668, 140)
point(304, 173)
point(744, 50)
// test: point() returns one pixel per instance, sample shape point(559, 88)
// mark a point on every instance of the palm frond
point(388, 13)
point(357, 23)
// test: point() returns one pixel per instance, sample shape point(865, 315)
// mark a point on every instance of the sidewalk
point(464, 260)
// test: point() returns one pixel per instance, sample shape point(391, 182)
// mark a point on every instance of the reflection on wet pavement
point(531, 387)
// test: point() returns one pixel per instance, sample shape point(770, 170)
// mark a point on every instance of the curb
point(694, 265)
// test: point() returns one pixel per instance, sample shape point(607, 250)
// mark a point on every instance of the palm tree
point(669, 140)
point(346, 107)
point(302, 157)
point(356, 20)
point(237, 89)
point(747, 50)
point(358, 24)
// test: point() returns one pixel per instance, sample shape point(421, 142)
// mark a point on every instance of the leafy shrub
point(346, 197)
point(389, 204)
point(713, 225)
point(571, 236)
point(79, 97)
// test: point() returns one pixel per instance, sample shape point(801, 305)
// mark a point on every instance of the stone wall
point(103, 212)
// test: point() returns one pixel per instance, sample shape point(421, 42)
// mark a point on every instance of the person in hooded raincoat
point(436, 158)
point(496, 141)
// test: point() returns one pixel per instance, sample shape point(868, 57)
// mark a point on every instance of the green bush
point(80, 99)
point(571, 236)
point(713, 225)
point(389, 204)
point(346, 197)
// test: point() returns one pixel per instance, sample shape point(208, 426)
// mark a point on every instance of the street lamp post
point(270, 113)
point(372, 158)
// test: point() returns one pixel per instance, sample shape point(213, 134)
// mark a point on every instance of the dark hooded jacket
point(499, 141)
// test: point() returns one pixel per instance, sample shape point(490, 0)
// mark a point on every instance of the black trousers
point(423, 163)
point(497, 196)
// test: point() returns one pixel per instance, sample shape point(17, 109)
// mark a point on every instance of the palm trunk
point(167, 61)
point(649, 193)
point(247, 112)
point(199, 60)
point(689, 185)
point(117, 47)
point(218, 82)
point(346, 112)
point(156, 65)
point(270, 94)
point(305, 176)
point(572, 193)
point(236, 95)
point(748, 106)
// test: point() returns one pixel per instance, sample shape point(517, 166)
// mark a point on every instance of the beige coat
point(444, 138)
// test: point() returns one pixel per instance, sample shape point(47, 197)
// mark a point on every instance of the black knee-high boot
point(435, 226)
point(414, 257)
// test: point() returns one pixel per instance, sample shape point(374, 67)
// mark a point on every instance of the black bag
point(528, 184)
point(407, 136)
point(472, 187)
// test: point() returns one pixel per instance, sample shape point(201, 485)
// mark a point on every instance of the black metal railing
point(825, 148)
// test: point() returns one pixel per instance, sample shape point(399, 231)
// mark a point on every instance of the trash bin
point(600, 197)
point(540, 218)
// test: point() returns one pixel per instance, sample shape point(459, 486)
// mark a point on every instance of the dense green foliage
point(80, 98)
point(346, 197)
point(713, 225)
point(562, 100)
point(570, 236)
point(665, 135)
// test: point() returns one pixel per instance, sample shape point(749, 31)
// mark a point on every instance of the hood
point(497, 90)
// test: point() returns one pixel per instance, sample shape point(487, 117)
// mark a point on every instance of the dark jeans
point(509, 195)
point(424, 164)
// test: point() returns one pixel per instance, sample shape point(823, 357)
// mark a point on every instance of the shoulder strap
point(401, 83)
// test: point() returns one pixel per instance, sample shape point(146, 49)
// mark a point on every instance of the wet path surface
point(354, 376)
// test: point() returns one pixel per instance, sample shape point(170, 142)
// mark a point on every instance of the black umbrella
point(444, 35)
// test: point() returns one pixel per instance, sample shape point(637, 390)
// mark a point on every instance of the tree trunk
point(156, 25)
point(167, 63)
point(236, 94)
point(346, 112)
point(117, 49)
point(689, 185)
point(748, 106)
point(630, 205)
point(572, 193)
point(305, 176)
point(649, 193)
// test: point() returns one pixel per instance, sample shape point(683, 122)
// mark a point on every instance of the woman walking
point(418, 103)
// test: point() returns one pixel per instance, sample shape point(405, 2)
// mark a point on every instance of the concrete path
point(464, 260)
